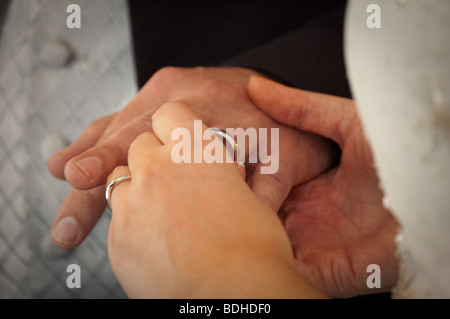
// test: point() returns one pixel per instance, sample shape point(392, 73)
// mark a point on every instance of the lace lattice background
point(41, 105)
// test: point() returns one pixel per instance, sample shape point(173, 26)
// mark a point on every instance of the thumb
point(326, 115)
point(271, 189)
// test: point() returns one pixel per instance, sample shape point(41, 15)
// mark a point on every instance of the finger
point(119, 172)
point(87, 139)
point(77, 216)
point(271, 189)
point(134, 111)
point(173, 115)
point(91, 168)
point(241, 170)
point(175, 119)
point(308, 111)
point(292, 161)
point(169, 117)
point(141, 150)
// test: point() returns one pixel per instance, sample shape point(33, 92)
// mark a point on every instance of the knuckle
point(137, 143)
point(300, 115)
point(152, 171)
point(88, 199)
point(149, 171)
point(143, 122)
point(203, 70)
point(94, 126)
point(167, 74)
point(213, 86)
point(114, 152)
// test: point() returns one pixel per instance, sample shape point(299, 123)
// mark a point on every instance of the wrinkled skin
point(336, 222)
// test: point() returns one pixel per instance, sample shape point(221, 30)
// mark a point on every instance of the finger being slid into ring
point(176, 115)
point(114, 192)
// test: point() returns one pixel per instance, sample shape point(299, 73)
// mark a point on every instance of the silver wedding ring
point(231, 145)
point(111, 185)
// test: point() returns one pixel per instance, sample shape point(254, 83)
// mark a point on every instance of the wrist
point(263, 278)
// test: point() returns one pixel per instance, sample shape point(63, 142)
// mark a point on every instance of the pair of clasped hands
point(202, 230)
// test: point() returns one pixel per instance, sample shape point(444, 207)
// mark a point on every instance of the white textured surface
point(400, 78)
point(40, 104)
point(55, 53)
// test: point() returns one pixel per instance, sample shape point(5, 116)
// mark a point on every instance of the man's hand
point(336, 222)
point(219, 96)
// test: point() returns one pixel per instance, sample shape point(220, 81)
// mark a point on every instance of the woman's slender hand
point(194, 230)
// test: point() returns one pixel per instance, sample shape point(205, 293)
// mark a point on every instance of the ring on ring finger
point(111, 185)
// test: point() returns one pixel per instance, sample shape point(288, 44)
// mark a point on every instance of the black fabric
point(4, 5)
point(310, 58)
point(298, 42)
point(292, 40)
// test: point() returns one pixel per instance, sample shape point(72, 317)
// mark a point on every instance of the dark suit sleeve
point(299, 42)
point(310, 58)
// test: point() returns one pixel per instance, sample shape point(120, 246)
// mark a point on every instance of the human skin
point(168, 239)
point(194, 230)
point(219, 97)
point(336, 223)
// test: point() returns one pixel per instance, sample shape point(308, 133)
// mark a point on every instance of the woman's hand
point(194, 230)
point(219, 96)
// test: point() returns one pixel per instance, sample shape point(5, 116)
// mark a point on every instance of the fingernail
point(66, 231)
point(90, 166)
